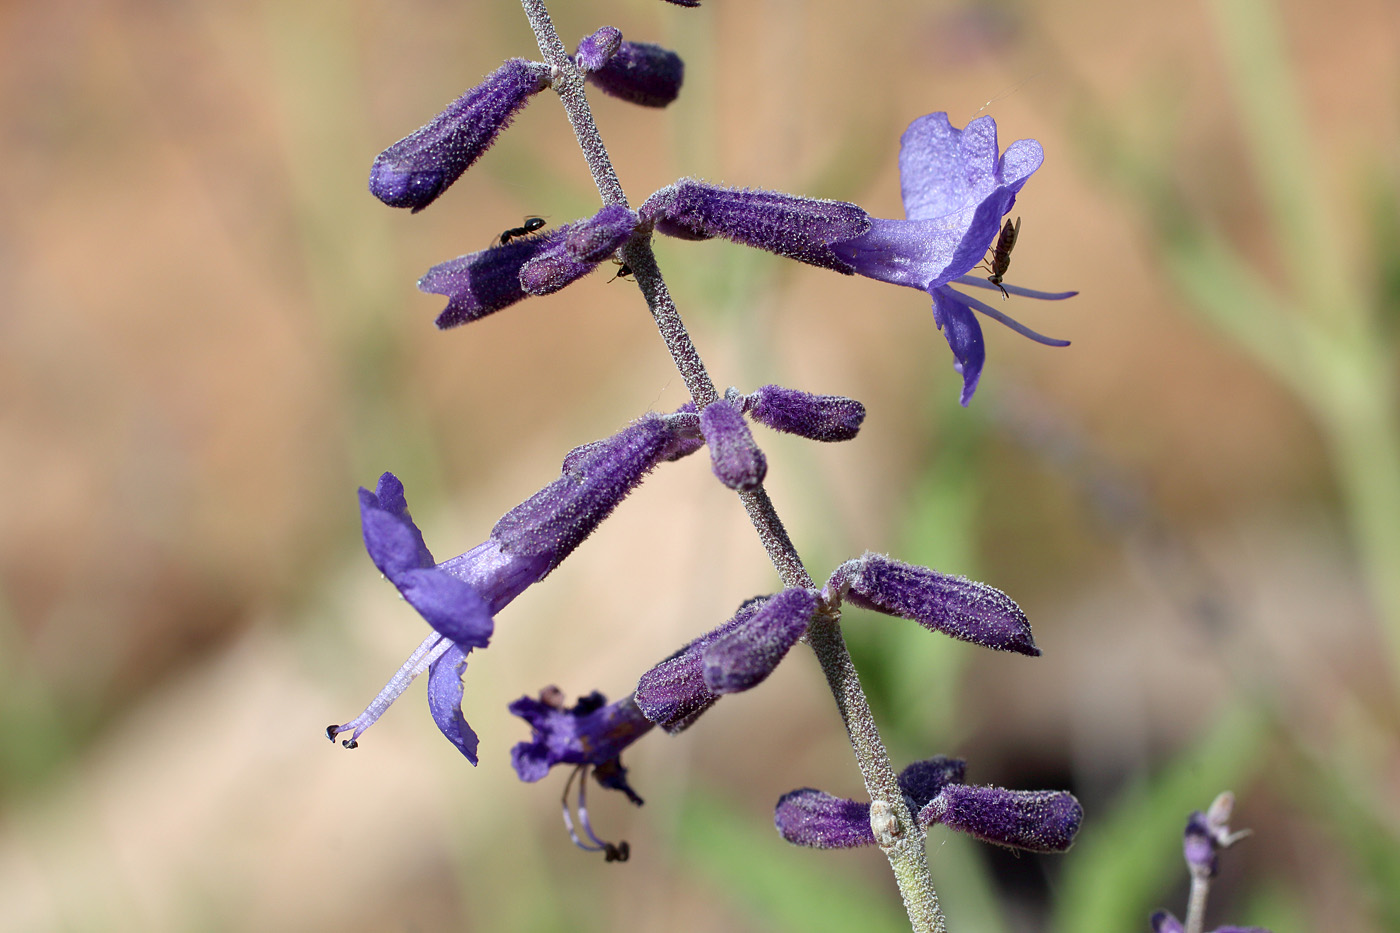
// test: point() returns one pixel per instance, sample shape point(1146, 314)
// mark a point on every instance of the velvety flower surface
point(639, 73)
point(736, 656)
point(485, 282)
point(956, 606)
point(1164, 922)
point(734, 457)
point(816, 417)
point(799, 228)
point(416, 169)
point(460, 597)
point(595, 50)
point(1032, 820)
point(591, 732)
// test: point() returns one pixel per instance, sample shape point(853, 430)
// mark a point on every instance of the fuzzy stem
point(905, 851)
point(1196, 901)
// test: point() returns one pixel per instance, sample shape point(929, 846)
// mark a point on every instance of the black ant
point(1001, 254)
point(528, 227)
point(623, 271)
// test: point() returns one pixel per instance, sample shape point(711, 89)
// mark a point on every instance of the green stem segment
point(903, 841)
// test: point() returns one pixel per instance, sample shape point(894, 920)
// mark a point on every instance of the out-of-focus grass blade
point(1368, 834)
point(1275, 908)
point(1126, 858)
point(782, 887)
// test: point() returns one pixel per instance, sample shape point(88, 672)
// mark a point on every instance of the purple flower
point(592, 732)
point(1164, 922)
point(956, 606)
point(416, 169)
point(483, 283)
point(735, 657)
point(1206, 834)
point(460, 597)
point(1035, 821)
point(956, 190)
point(637, 72)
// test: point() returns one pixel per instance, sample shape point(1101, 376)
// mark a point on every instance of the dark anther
point(350, 743)
point(616, 853)
point(332, 730)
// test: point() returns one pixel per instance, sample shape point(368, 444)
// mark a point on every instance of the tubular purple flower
point(594, 51)
point(416, 169)
point(804, 229)
point(734, 457)
point(816, 417)
point(638, 72)
point(736, 656)
point(1033, 820)
point(817, 820)
point(460, 597)
point(591, 732)
point(483, 283)
point(956, 606)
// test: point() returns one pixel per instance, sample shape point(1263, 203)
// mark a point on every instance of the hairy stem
point(904, 846)
point(1196, 902)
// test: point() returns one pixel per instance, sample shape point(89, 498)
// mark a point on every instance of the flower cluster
point(957, 188)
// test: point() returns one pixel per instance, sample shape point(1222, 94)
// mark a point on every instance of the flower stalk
point(906, 853)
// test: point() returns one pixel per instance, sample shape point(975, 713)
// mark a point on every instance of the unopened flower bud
point(1034, 820)
point(734, 456)
point(595, 50)
point(416, 169)
point(816, 417)
point(639, 73)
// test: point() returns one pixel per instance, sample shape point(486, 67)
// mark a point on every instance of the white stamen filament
point(432, 648)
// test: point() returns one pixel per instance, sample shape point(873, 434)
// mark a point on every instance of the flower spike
point(416, 169)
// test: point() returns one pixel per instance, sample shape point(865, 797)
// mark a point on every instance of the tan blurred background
point(210, 335)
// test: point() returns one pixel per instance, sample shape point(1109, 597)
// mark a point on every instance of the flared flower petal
point(416, 169)
point(445, 701)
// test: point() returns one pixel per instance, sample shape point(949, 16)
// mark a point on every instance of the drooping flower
point(934, 792)
point(460, 597)
point(416, 169)
point(956, 188)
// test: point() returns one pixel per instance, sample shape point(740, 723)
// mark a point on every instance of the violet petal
point(445, 701)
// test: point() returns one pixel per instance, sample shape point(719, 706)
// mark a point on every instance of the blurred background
point(210, 336)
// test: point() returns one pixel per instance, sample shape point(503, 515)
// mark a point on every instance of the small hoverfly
point(530, 225)
point(1001, 254)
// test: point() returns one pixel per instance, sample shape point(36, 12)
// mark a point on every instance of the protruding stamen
point(618, 852)
point(1012, 323)
point(424, 655)
point(1017, 290)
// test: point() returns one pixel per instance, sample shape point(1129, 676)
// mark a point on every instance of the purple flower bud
point(591, 732)
point(576, 250)
point(800, 228)
point(734, 456)
point(922, 780)
point(1035, 820)
point(416, 169)
point(595, 478)
point(1164, 922)
point(595, 50)
point(812, 818)
point(639, 73)
point(816, 417)
point(483, 283)
point(746, 648)
point(1198, 847)
point(745, 655)
point(955, 606)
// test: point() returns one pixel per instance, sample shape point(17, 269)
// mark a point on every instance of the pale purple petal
point(964, 335)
